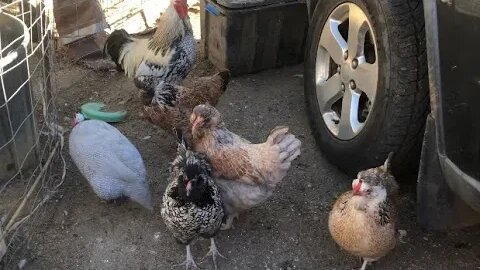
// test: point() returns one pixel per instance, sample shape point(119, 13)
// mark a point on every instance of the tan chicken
point(246, 173)
point(170, 106)
point(363, 221)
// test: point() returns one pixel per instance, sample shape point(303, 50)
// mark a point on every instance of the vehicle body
point(447, 150)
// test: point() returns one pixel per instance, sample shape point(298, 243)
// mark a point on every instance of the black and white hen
point(192, 206)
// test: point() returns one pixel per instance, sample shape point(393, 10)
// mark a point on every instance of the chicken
point(109, 161)
point(169, 54)
point(247, 173)
point(363, 221)
point(171, 105)
point(192, 206)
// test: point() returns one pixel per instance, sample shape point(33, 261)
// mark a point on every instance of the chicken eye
point(369, 191)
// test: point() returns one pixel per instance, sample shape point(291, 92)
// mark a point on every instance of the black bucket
point(17, 126)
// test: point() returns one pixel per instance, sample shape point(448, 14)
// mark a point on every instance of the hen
point(171, 105)
point(192, 206)
point(363, 221)
point(247, 172)
point(169, 54)
point(109, 161)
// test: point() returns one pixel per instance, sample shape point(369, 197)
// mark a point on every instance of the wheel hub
point(346, 71)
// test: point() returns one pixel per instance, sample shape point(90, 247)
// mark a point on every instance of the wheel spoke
point(332, 41)
point(349, 125)
point(366, 78)
point(357, 28)
point(328, 92)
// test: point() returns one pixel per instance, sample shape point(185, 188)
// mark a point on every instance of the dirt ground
point(79, 231)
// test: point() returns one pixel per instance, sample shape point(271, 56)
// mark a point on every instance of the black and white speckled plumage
point(149, 74)
point(168, 55)
point(200, 213)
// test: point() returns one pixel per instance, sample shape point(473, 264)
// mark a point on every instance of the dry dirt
point(79, 231)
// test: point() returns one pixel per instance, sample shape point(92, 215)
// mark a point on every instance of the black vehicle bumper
point(447, 196)
point(467, 187)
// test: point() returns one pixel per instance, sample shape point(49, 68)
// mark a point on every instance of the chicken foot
point(189, 262)
point(366, 262)
point(229, 223)
point(213, 252)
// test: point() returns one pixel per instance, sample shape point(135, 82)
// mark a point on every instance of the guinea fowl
point(363, 221)
point(169, 54)
point(109, 161)
point(170, 105)
point(192, 206)
point(247, 173)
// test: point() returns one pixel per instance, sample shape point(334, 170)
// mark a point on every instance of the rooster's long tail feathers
point(114, 44)
point(225, 75)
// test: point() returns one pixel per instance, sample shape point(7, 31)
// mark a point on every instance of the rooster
point(192, 206)
point(169, 54)
point(247, 173)
point(363, 221)
point(170, 106)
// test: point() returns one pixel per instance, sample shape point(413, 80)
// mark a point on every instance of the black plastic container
point(17, 127)
point(250, 36)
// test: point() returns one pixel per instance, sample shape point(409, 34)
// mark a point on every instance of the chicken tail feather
point(114, 45)
point(142, 196)
point(225, 75)
point(289, 147)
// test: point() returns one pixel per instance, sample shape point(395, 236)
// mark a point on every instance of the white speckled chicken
point(169, 54)
point(363, 221)
point(109, 161)
point(192, 206)
point(247, 173)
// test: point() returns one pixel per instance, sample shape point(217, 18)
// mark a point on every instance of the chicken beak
point(356, 186)
point(196, 123)
point(188, 187)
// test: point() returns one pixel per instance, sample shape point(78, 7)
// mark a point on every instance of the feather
point(246, 173)
point(198, 214)
point(109, 161)
point(171, 105)
point(169, 54)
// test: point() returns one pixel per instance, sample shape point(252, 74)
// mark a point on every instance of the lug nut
point(354, 63)
point(345, 55)
point(353, 85)
point(342, 87)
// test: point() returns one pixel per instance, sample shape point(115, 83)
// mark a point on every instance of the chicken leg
point(189, 262)
point(213, 252)
point(366, 262)
point(229, 222)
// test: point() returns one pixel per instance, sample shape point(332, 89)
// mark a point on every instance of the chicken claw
point(213, 252)
point(189, 262)
point(229, 223)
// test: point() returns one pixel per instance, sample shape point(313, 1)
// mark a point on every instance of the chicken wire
point(31, 162)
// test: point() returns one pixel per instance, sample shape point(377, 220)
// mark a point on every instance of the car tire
point(396, 119)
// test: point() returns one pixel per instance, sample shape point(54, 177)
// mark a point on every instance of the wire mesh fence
point(31, 161)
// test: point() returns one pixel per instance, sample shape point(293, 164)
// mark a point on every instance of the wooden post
point(3, 246)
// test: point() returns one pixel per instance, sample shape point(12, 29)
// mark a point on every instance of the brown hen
point(246, 173)
point(363, 221)
point(169, 106)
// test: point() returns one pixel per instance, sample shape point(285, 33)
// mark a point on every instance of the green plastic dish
point(93, 110)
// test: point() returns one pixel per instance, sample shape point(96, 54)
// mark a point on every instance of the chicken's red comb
point(181, 7)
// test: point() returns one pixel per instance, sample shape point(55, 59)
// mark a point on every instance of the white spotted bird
point(363, 221)
point(192, 206)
